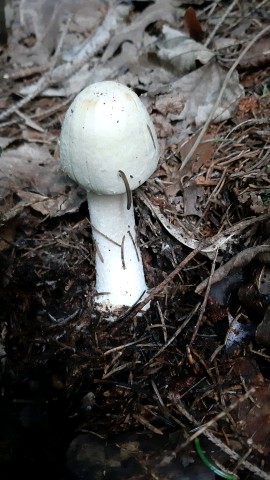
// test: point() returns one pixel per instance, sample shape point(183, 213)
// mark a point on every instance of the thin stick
point(226, 13)
point(175, 335)
point(157, 394)
point(164, 329)
point(121, 347)
point(202, 310)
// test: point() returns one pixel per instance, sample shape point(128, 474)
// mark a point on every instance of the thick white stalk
point(120, 277)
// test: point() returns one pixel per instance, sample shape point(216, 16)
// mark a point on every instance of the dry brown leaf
point(258, 55)
point(135, 31)
point(253, 418)
point(183, 233)
point(203, 154)
point(192, 25)
point(263, 329)
point(31, 172)
point(201, 89)
point(7, 234)
point(192, 193)
point(43, 17)
point(178, 52)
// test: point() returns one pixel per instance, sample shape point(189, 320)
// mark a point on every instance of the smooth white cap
point(107, 129)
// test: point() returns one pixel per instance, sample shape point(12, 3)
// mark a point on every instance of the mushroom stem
point(119, 269)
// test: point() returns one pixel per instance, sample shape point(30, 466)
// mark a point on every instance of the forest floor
point(138, 398)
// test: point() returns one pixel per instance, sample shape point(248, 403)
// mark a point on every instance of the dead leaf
point(183, 232)
point(263, 330)
point(205, 182)
point(51, 206)
point(192, 25)
point(31, 172)
point(163, 126)
point(7, 234)
point(44, 17)
point(247, 107)
point(169, 103)
point(201, 89)
point(253, 418)
point(178, 52)
point(203, 154)
point(135, 31)
point(189, 100)
point(192, 193)
point(4, 142)
point(258, 55)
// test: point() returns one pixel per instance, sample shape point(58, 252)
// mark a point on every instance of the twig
point(212, 196)
point(94, 44)
point(250, 121)
point(202, 309)
point(157, 394)
point(164, 329)
point(26, 72)
point(121, 347)
point(50, 111)
point(147, 424)
point(226, 80)
point(175, 335)
point(121, 367)
point(214, 31)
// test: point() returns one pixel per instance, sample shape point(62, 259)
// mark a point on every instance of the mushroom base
point(120, 279)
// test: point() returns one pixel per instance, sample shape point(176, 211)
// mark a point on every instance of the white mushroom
point(108, 145)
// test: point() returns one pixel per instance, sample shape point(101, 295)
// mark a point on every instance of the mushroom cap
point(107, 129)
